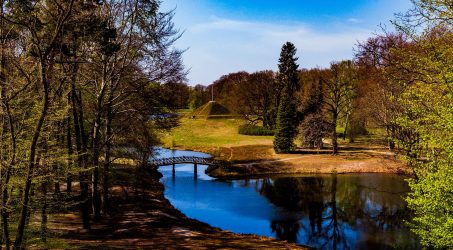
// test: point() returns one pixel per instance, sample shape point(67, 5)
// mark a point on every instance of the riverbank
point(249, 156)
point(357, 161)
point(257, 160)
point(144, 218)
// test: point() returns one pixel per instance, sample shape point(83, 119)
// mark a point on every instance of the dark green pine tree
point(287, 121)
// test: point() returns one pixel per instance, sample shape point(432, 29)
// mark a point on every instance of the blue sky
point(225, 36)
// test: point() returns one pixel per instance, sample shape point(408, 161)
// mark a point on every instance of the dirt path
point(144, 219)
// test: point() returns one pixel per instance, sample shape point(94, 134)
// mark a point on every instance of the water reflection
point(363, 211)
point(341, 212)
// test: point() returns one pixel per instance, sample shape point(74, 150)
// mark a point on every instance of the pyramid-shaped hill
point(212, 110)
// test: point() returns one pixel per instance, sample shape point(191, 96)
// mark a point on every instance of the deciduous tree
point(339, 89)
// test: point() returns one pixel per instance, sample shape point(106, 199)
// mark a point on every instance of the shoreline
point(144, 218)
point(346, 162)
point(145, 209)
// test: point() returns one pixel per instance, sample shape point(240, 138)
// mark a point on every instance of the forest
point(80, 87)
point(87, 85)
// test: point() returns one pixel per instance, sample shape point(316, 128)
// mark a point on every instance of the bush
point(313, 129)
point(248, 129)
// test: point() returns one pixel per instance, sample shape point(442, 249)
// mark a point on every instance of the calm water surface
point(351, 211)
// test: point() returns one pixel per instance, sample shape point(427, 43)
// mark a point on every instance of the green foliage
point(432, 199)
point(195, 99)
point(80, 82)
point(428, 117)
point(248, 129)
point(412, 97)
point(286, 128)
point(288, 76)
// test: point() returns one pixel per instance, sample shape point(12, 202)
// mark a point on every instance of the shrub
point(248, 129)
point(313, 129)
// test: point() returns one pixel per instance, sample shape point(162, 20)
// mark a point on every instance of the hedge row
point(248, 129)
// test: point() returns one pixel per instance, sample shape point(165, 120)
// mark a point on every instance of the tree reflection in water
point(336, 214)
point(286, 230)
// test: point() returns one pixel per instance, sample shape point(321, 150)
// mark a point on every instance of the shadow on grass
point(144, 219)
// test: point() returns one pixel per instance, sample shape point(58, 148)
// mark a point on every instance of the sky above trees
point(225, 36)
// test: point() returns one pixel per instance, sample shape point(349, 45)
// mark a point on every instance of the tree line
point(400, 81)
point(82, 83)
point(313, 100)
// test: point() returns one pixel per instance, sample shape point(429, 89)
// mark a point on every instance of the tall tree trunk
point(5, 176)
point(78, 129)
point(108, 147)
point(5, 196)
point(390, 136)
point(45, 58)
point(80, 142)
point(95, 174)
point(83, 163)
point(96, 206)
point(32, 155)
point(346, 126)
point(69, 149)
point(57, 187)
point(334, 134)
point(96, 150)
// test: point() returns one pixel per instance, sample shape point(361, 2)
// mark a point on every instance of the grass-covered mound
point(212, 110)
point(211, 133)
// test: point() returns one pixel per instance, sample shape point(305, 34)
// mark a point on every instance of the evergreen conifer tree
point(287, 117)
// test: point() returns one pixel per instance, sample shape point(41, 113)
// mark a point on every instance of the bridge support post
point(173, 172)
point(195, 171)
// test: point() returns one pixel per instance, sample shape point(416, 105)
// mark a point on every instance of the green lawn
point(211, 133)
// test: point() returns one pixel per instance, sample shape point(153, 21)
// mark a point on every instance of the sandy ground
point(144, 219)
point(313, 164)
point(248, 161)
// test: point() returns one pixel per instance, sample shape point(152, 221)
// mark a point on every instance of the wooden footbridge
point(172, 161)
point(182, 160)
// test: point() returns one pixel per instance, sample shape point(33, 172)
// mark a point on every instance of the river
point(348, 211)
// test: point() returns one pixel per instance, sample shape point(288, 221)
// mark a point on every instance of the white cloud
point(223, 24)
point(222, 46)
point(354, 20)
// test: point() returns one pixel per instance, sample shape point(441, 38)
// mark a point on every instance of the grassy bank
point(197, 133)
point(254, 155)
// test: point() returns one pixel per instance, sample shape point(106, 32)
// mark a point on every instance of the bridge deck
point(181, 160)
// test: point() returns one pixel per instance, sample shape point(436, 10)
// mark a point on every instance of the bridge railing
point(182, 159)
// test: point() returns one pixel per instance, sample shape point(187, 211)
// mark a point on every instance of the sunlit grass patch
point(211, 133)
